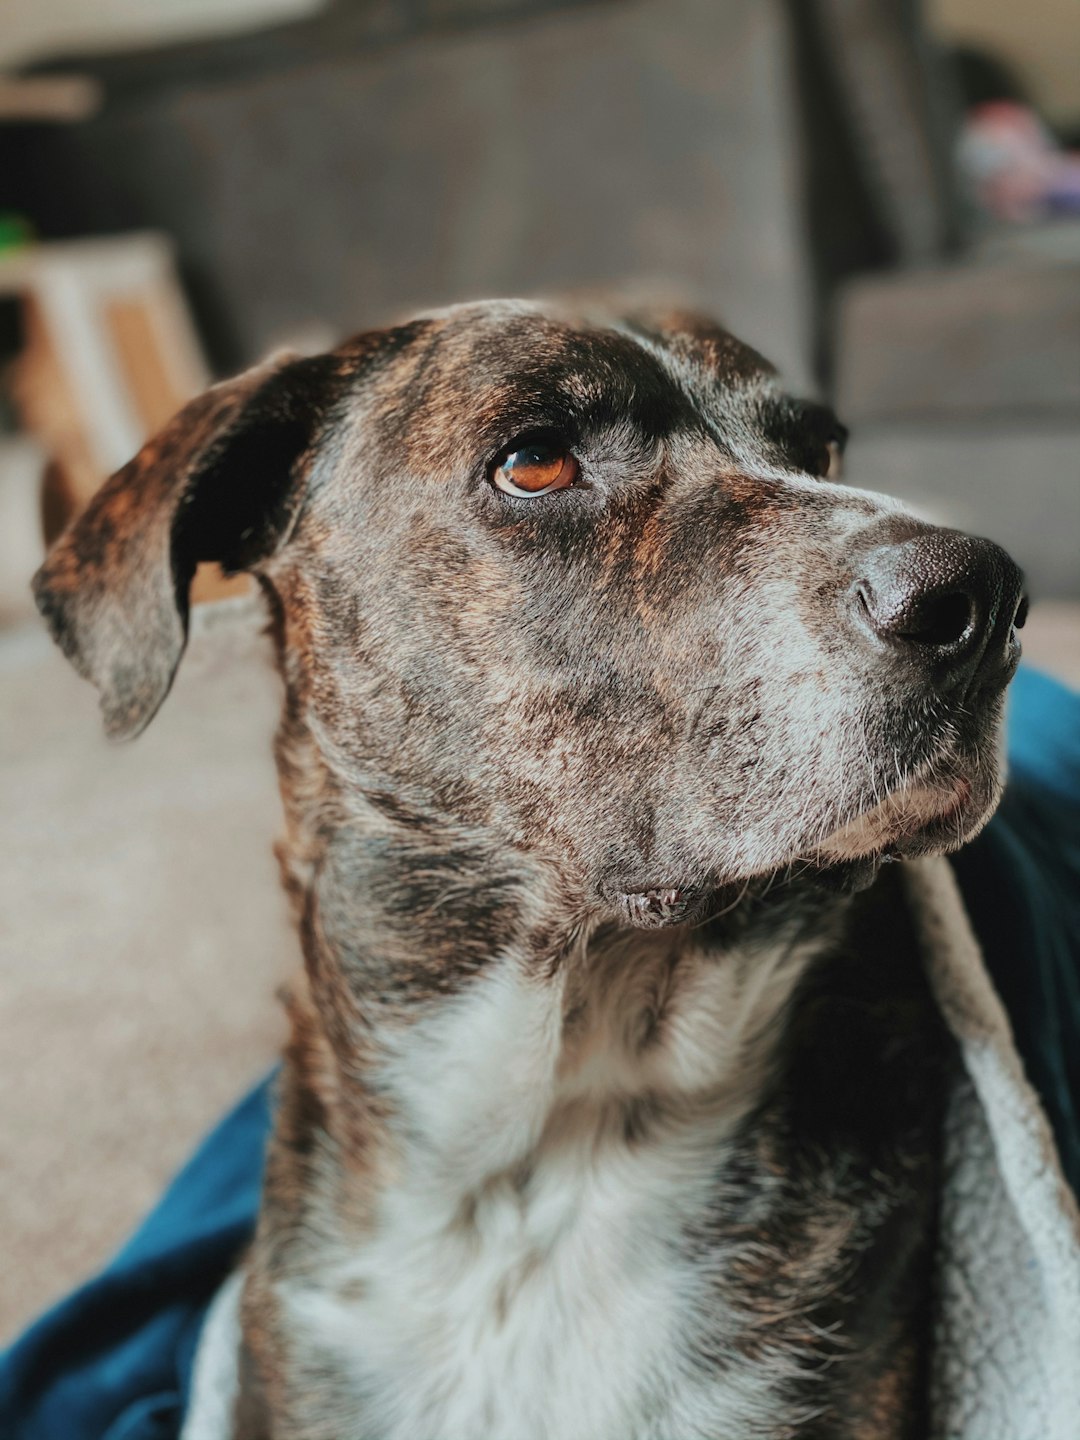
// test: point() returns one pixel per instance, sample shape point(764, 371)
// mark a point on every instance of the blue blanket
point(113, 1361)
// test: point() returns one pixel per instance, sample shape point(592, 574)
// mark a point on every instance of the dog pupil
point(533, 466)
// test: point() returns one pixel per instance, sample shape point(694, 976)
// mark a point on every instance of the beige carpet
point(142, 934)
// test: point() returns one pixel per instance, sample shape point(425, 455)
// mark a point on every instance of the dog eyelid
point(834, 467)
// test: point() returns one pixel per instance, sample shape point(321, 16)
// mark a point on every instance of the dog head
point(587, 589)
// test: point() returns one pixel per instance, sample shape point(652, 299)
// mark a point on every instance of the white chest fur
point(527, 1274)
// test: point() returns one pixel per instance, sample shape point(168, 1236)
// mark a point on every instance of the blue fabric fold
point(113, 1361)
point(1021, 885)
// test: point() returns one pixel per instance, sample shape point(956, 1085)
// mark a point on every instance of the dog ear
point(223, 481)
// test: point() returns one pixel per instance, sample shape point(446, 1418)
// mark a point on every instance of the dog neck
point(466, 1011)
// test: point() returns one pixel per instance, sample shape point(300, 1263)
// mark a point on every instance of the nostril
point(944, 603)
point(940, 620)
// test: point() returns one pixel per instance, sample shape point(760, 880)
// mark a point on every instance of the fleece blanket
point(1000, 929)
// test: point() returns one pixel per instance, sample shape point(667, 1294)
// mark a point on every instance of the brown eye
point(534, 467)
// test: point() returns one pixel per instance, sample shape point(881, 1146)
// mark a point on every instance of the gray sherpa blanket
point(1007, 1354)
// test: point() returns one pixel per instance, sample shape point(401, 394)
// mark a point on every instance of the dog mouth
point(908, 821)
point(932, 814)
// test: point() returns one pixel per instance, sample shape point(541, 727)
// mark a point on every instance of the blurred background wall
point(1038, 41)
point(32, 30)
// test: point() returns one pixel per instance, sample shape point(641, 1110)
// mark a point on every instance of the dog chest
point(561, 1304)
point(530, 1274)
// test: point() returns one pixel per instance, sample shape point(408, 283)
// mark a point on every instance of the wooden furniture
point(109, 354)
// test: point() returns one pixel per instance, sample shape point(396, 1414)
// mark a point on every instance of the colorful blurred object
point(16, 232)
point(1014, 167)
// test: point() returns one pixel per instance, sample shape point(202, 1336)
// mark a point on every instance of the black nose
point(946, 602)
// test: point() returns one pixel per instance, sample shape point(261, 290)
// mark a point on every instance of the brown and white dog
point(613, 1099)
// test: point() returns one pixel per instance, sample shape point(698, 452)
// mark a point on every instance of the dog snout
point(947, 603)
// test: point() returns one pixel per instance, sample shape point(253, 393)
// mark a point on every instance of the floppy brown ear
point(223, 481)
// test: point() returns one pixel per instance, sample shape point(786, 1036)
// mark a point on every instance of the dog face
point(585, 589)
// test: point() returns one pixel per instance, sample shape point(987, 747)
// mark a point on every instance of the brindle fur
point(518, 733)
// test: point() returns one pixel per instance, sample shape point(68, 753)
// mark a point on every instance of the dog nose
point(947, 602)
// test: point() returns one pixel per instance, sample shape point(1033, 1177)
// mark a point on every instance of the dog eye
point(534, 465)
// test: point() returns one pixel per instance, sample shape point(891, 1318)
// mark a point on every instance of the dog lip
point(899, 824)
point(652, 907)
